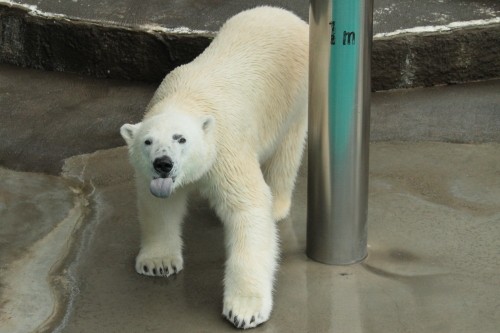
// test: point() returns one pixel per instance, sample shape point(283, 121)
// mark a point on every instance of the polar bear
point(231, 124)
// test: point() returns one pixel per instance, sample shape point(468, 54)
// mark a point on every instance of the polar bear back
point(252, 79)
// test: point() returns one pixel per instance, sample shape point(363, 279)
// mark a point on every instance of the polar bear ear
point(208, 123)
point(128, 132)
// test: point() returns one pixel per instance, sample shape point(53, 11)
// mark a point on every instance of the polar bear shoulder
point(252, 78)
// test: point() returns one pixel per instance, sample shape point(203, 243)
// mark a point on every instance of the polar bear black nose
point(163, 164)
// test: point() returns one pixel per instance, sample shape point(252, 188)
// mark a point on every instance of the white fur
point(242, 107)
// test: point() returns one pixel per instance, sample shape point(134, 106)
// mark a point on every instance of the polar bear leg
point(252, 248)
point(281, 170)
point(160, 222)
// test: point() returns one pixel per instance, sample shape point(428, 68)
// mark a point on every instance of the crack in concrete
point(73, 173)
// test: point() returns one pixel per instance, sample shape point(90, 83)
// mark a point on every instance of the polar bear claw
point(247, 311)
point(158, 266)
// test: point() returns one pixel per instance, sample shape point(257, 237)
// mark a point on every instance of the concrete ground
point(74, 115)
point(69, 235)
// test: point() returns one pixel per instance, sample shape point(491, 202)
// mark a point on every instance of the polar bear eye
point(147, 142)
point(179, 138)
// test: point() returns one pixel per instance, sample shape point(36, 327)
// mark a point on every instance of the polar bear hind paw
point(281, 208)
point(246, 312)
point(158, 266)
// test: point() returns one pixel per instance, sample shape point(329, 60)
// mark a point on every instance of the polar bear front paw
point(247, 311)
point(158, 265)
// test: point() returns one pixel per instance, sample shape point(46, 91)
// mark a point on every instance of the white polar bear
point(232, 123)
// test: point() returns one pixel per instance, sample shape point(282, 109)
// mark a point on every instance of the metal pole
point(339, 117)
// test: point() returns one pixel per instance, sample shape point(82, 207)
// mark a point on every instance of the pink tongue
point(161, 187)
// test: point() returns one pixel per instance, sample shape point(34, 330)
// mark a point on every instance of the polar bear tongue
point(161, 187)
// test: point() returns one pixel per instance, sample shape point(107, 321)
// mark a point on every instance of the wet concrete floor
point(434, 237)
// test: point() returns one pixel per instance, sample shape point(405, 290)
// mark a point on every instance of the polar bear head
point(171, 149)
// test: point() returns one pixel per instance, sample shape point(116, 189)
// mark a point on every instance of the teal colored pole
point(339, 117)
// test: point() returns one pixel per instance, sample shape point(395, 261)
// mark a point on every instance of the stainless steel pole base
point(339, 117)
